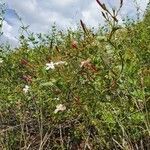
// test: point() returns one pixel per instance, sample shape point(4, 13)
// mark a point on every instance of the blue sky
point(41, 14)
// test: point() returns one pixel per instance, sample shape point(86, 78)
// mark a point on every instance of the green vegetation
point(77, 90)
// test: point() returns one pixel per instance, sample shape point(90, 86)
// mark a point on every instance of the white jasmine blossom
point(85, 62)
point(26, 89)
point(56, 98)
point(50, 66)
point(1, 60)
point(60, 107)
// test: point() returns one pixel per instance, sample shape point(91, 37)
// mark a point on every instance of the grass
point(100, 79)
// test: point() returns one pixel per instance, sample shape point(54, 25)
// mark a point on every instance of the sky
point(41, 14)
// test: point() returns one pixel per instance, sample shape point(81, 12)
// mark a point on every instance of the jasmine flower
point(50, 66)
point(60, 107)
point(26, 89)
point(1, 60)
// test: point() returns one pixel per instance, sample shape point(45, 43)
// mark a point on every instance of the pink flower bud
point(24, 62)
point(74, 44)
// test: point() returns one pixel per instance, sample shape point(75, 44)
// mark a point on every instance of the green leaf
point(50, 83)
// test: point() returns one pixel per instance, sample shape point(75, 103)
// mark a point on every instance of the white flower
point(56, 98)
point(26, 89)
point(60, 107)
point(1, 60)
point(85, 62)
point(50, 66)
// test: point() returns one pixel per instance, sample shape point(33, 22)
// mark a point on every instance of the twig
point(61, 137)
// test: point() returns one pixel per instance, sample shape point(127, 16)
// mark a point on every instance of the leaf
point(50, 83)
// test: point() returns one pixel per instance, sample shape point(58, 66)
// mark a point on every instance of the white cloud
point(62, 3)
point(8, 34)
point(142, 4)
point(92, 15)
point(41, 14)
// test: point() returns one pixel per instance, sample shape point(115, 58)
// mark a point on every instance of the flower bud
point(74, 44)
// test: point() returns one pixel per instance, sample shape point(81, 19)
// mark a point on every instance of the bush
point(77, 90)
